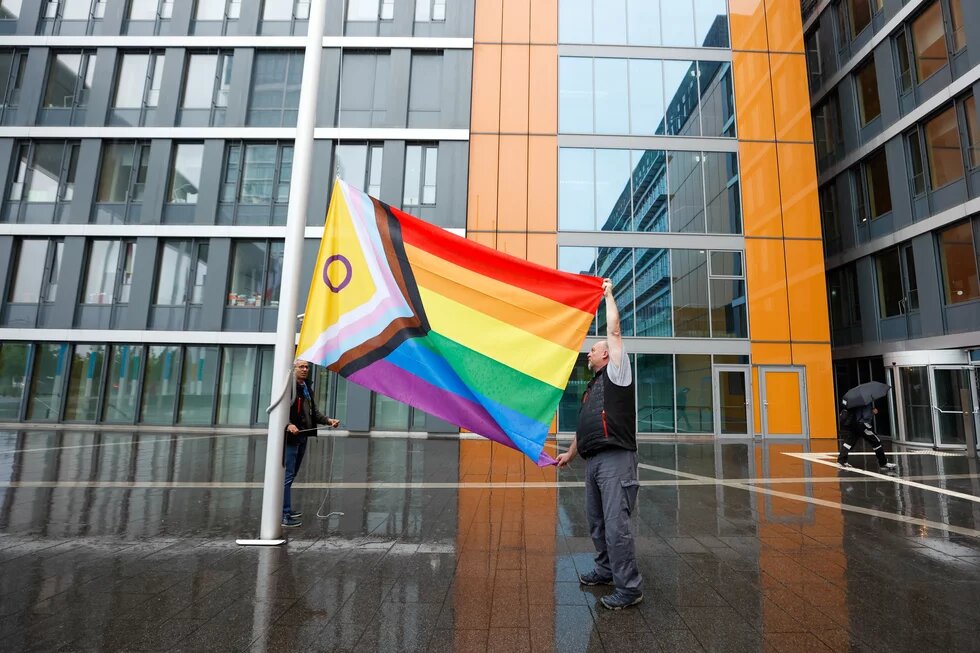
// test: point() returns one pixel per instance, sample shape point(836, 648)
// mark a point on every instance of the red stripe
point(575, 290)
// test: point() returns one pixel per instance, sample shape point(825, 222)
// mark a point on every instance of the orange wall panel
point(512, 184)
point(753, 96)
point(487, 25)
point(807, 291)
point(487, 238)
point(764, 276)
point(748, 24)
point(481, 205)
point(798, 190)
point(514, 71)
point(819, 388)
point(761, 211)
point(513, 244)
point(771, 353)
point(485, 112)
point(542, 183)
point(543, 250)
point(517, 21)
point(784, 25)
point(543, 90)
point(544, 21)
point(791, 97)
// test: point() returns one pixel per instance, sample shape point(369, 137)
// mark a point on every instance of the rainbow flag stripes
point(473, 336)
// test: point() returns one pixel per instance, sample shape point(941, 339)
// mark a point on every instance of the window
point(286, 10)
point(122, 176)
point(845, 307)
point(159, 389)
point(237, 385)
point(70, 77)
point(813, 63)
point(84, 382)
point(12, 64)
point(829, 218)
point(45, 172)
point(185, 173)
point(959, 262)
point(904, 61)
point(207, 81)
point(36, 271)
point(256, 273)
point(56, 12)
point(874, 193)
point(866, 80)
point(891, 294)
point(957, 24)
point(370, 10)
point(420, 175)
point(689, 293)
point(151, 10)
point(47, 381)
point(859, 13)
point(13, 375)
point(726, 288)
point(217, 10)
point(182, 271)
point(364, 89)
point(10, 9)
point(827, 130)
point(686, 23)
point(198, 375)
point(430, 10)
point(274, 97)
point(929, 42)
point(122, 384)
point(360, 166)
point(917, 163)
point(137, 88)
point(109, 272)
point(972, 131)
point(260, 176)
point(942, 140)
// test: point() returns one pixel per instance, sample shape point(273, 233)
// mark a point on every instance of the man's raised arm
point(614, 337)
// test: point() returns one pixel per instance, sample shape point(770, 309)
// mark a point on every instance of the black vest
point(608, 416)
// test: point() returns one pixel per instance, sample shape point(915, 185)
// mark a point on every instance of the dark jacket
point(608, 416)
point(304, 414)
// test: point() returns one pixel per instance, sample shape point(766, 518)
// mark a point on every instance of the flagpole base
point(260, 542)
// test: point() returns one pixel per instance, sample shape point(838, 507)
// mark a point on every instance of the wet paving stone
point(475, 549)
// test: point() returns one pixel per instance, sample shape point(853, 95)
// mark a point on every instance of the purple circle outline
point(347, 278)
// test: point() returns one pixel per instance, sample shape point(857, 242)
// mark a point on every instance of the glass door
point(733, 398)
point(955, 404)
point(916, 404)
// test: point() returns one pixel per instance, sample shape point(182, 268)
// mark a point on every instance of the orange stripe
point(536, 314)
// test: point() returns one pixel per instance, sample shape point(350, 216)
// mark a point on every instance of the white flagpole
point(299, 191)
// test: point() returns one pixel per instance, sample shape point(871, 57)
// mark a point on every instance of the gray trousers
point(610, 499)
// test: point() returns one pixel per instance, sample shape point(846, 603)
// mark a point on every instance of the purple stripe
point(391, 380)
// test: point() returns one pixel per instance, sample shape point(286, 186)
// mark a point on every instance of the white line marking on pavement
point(822, 502)
point(820, 459)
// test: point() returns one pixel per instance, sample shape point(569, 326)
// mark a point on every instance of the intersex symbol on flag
point(476, 337)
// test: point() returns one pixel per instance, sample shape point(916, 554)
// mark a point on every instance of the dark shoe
point(889, 468)
point(593, 578)
point(295, 515)
point(619, 600)
point(291, 522)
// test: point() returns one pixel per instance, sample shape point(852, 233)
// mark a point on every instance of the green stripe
point(494, 380)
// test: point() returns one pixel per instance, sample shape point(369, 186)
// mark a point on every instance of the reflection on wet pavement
point(112, 541)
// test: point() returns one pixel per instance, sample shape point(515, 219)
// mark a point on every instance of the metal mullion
point(103, 383)
point(175, 408)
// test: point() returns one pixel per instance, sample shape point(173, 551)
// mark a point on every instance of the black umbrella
point(865, 393)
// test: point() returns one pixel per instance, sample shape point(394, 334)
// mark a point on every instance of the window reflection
point(13, 374)
point(199, 372)
point(653, 302)
point(87, 362)
point(685, 23)
point(655, 393)
point(47, 381)
point(959, 261)
point(694, 394)
point(689, 270)
point(122, 383)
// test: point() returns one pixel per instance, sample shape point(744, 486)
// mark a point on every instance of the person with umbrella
point(857, 421)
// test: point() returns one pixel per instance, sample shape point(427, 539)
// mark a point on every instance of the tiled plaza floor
point(118, 542)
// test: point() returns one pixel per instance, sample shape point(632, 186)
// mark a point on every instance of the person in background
point(858, 422)
point(303, 418)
